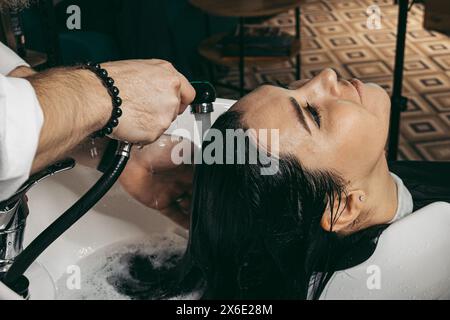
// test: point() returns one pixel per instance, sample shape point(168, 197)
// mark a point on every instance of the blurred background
point(241, 44)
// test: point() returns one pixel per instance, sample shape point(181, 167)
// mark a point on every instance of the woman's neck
point(383, 195)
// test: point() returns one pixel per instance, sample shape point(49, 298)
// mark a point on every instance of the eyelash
point(314, 111)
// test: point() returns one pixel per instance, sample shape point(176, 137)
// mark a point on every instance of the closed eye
point(312, 109)
point(315, 114)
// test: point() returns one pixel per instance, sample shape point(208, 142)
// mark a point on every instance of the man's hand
point(153, 94)
point(153, 179)
point(76, 104)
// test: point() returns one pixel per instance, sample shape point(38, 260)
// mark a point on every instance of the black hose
point(64, 222)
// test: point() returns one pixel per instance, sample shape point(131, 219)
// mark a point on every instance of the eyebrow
point(300, 114)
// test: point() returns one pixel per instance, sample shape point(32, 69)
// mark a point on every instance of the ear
point(345, 214)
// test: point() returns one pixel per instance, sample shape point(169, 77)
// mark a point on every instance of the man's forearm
point(75, 104)
point(88, 154)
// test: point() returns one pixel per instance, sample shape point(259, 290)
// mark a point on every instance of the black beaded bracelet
point(113, 91)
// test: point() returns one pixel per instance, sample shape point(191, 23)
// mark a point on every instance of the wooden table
point(243, 9)
point(208, 50)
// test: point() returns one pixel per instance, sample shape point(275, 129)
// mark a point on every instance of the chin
point(379, 90)
point(380, 102)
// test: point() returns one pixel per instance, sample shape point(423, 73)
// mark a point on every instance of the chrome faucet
point(14, 213)
point(204, 99)
point(203, 106)
point(12, 227)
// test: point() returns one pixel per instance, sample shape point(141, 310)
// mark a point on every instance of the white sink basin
point(116, 218)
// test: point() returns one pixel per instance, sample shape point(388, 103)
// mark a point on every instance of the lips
point(357, 84)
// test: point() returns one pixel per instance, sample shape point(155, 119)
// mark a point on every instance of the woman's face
point(326, 122)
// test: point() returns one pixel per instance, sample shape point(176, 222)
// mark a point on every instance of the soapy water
point(132, 270)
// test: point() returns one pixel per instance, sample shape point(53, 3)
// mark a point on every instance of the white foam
point(97, 267)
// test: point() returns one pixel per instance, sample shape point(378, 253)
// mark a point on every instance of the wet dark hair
point(257, 236)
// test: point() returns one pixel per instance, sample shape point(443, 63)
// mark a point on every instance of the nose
point(329, 80)
point(325, 83)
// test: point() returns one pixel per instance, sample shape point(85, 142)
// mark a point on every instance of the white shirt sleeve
point(9, 60)
point(21, 120)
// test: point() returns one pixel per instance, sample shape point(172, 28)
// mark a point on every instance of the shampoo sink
point(117, 219)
